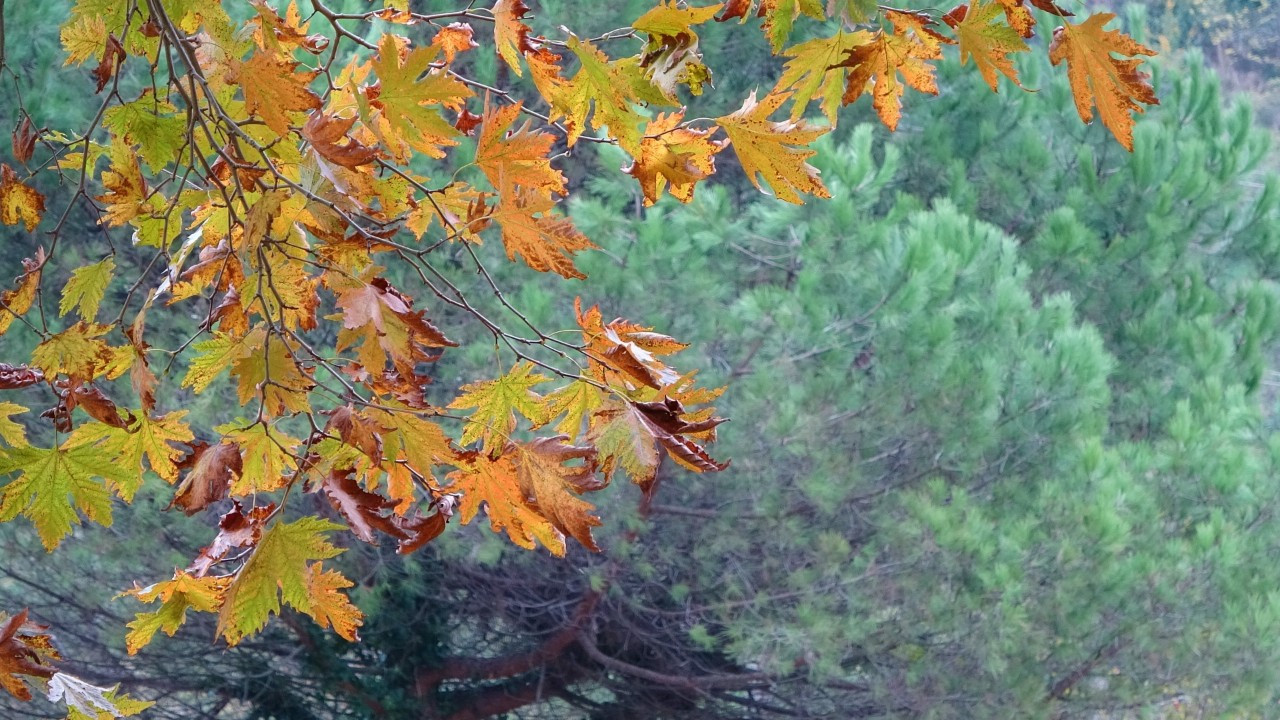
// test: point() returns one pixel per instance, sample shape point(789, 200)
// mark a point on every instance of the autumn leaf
point(1114, 86)
point(24, 140)
point(626, 348)
point(363, 510)
point(553, 484)
point(493, 485)
point(518, 157)
point(543, 240)
point(184, 592)
point(325, 132)
point(11, 432)
point(671, 56)
point(267, 456)
point(26, 649)
point(408, 118)
point(598, 85)
point(675, 157)
point(77, 351)
point(454, 38)
point(210, 471)
point(987, 40)
point(16, 302)
point(54, 483)
point(19, 203)
point(814, 72)
point(269, 373)
point(157, 440)
point(328, 606)
point(85, 289)
point(214, 356)
point(496, 404)
point(576, 401)
point(273, 89)
point(511, 36)
point(277, 571)
point(380, 318)
point(779, 15)
point(627, 436)
point(768, 149)
point(879, 63)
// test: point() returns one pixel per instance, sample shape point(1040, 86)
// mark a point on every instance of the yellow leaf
point(597, 84)
point(278, 570)
point(1114, 86)
point(217, 354)
point(407, 117)
point(496, 403)
point(150, 438)
point(85, 289)
point(814, 72)
point(11, 432)
point(510, 35)
point(768, 148)
point(76, 351)
point(675, 156)
point(84, 38)
point(267, 456)
point(18, 301)
point(184, 592)
point(18, 202)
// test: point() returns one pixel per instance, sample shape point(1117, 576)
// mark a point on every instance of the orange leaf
point(407, 116)
point(553, 486)
point(209, 472)
point(516, 157)
point(453, 39)
point(324, 132)
point(494, 485)
point(510, 35)
point(272, 88)
point(1114, 86)
point(888, 55)
point(545, 241)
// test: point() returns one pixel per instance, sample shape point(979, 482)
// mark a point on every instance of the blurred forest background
point(1004, 432)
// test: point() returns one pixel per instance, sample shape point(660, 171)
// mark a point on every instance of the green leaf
point(86, 287)
point(277, 570)
point(55, 482)
point(497, 402)
point(154, 126)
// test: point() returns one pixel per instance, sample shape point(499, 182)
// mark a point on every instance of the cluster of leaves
point(267, 177)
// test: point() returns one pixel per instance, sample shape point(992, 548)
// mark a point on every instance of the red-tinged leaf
point(26, 650)
point(510, 34)
point(113, 57)
point(236, 529)
point(325, 132)
point(210, 471)
point(24, 140)
point(92, 400)
point(627, 436)
point(365, 512)
point(358, 431)
point(420, 530)
point(13, 377)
